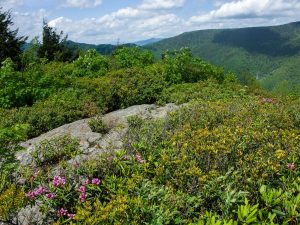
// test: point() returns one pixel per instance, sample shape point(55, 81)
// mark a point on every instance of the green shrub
point(12, 199)
point(50, 152)
point(97, 125)
point(125, 57)
point(91, 64)
point(59, 109)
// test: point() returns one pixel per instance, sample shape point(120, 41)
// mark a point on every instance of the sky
point(123, 21)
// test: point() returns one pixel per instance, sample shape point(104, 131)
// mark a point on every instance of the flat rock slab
point(92, 143)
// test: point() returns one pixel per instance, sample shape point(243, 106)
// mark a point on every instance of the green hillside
point(261, 51)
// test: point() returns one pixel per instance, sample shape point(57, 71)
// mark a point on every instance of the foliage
point(131, 57)
point(272, 56)
point(58, 149)
point(9, 143)
point(54, 45)
point(10, 43)
point(91, 64)
point(12, 199)
point(97, 125)
point(215, 161)
point(228, 155)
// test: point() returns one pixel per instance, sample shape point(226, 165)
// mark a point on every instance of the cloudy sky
point(107, 21)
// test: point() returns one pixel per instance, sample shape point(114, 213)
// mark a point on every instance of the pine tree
point(54, 45)
point(10, 43)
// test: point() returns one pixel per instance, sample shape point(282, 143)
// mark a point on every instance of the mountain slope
point(148, 41)
point(104, 49)
point(261, 51)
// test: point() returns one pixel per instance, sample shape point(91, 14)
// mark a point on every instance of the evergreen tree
point(54, 45)
point(10, 43)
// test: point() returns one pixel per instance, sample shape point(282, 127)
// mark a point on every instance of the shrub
point(91, 64)
point(125, 57)
point(12, 199)
point(97, 125)
point(50, 152)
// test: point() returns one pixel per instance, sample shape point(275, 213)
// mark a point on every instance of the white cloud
point(29, 23)
point(82, 3)
point(158, 18)
point(128, 24)
point(159, 4)
point(59, 21)
point(245, 9)
point(8, 4)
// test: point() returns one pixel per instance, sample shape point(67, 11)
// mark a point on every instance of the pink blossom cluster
point(50, 195)
point(86, 182)
point(139, 159)
point(268, 100)
point(36, 192)
point(96, 181)
point(82, 188)
point(83, 195)
point(291, 166)
point(126, 157)
point(64, 212)
point(58, 181)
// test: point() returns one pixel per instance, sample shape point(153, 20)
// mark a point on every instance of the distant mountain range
point(272, 54)
point(148, 41)
point(105, 49)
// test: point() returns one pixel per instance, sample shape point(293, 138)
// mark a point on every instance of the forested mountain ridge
point(271, 54)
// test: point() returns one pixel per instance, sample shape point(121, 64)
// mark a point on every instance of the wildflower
point(268, 100)
point(96, 181)
point(85, 182)
point(139, 158)
point(58, 181)
point(30, 195)
point(39, 191)
point(291, 166)
point(50, 195)
point(62, 212)
point(126, 157)
point(82, 197)
point(71, 216)
point(35, 193)
point(82, 189)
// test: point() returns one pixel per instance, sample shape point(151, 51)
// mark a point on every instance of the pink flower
point(58, 181)
point(39, 191)
point(82, 197)
point(36, 192)
point(71, 216)
point(62, 212)
point(291, 166)
point(126, 157)
point(30, 195)
point(139, 158)
point(96, 181)
point(82, 189)
point(50, 195)
point(85, 182)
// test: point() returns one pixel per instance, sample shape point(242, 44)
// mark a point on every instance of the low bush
point(50, 152)
point(97, 125)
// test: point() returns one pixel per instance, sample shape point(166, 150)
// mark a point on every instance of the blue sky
point(107, 21)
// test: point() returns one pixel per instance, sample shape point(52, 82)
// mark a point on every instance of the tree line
point(53, 45)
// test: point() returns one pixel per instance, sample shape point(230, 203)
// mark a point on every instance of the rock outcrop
point(94, 143)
